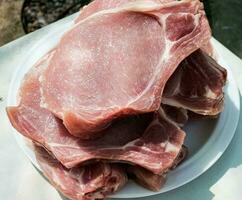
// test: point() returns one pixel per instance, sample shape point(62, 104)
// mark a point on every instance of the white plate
point(206, 139)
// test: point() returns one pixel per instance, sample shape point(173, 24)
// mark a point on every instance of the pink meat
point(117, 61)
point(99, 5)
point(90, 182)
point(197, 85)
point(136, 140)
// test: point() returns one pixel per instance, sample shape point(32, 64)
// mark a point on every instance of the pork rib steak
point(107, 72)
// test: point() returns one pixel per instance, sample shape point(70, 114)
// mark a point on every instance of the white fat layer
point(166, 55)
point(172, 102)
point(210, 94)
point(171, 147)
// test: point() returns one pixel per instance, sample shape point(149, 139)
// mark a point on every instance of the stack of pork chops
point(107, 103)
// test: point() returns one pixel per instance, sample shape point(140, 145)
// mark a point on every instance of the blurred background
point(19, 17)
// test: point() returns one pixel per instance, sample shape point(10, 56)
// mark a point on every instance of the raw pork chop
point(136, 140)
point(117, 61)
point(93, 181)
point(197, 85)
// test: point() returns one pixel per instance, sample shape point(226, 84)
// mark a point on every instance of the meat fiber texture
point(107, 72)
point(149, 141)
point(152, 142)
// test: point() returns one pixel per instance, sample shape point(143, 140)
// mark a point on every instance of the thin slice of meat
point(178, 115)
point(197, 85)
point(106, 53)
point(150, 180)
point(90, 182)
point(136, 140)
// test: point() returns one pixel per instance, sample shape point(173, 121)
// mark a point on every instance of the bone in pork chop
point(140, 140)
point(117, 62)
